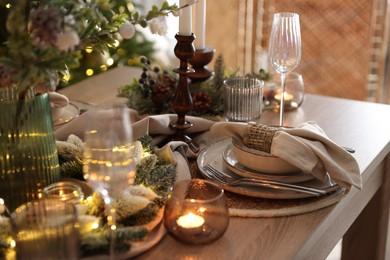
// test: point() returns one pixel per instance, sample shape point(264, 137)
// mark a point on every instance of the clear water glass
point(109, 165)
point(46, 229)
point(243, 99)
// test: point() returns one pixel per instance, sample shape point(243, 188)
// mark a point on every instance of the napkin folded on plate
point(158, 126)
point(57, 103)
point(305, 146)
point(58, 100)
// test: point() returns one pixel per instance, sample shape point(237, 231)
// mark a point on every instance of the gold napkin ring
point(259, 137)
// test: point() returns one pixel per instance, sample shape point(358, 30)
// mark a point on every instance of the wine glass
point(109, 164)
point(285, 48)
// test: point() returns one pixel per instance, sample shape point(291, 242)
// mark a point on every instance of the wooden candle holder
point(199, 63)
point(182, 100)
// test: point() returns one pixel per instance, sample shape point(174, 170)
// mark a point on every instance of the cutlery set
point(232, 179)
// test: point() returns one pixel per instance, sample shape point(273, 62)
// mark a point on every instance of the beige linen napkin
point(58, 100)
point(158, 127)
point(307, 147)
point(57, 104)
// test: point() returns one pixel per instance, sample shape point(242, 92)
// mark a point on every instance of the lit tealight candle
point(287, 97)
point(190, 221)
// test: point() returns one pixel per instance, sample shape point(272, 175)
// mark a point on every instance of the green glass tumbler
point(28, 154)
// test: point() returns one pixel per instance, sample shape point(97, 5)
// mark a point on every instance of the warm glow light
point(110, 61)
point(116, 43)
point(190, 220)
point(202, 209)
point(12, 243)
point(66, 77)
point(145, 154)
point(103, 67)
point(95, 225)
point(89, 72)
point(89, 49)
point(287, 96)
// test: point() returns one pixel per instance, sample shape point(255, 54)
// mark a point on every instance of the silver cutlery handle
point(257, 183)
point(281, 184)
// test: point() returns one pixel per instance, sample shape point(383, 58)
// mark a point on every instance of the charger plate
point(241, 205)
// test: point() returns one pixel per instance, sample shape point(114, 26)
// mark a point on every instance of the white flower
point(158, 25)
point(67, 40)
point(127, 30)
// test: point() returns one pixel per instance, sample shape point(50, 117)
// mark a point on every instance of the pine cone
point(46, 25)
point(161, 93)
point(201, 102)
point(169, 81)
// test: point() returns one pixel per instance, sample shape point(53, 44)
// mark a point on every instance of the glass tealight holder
point(293, 96)
point(196, 211)
point(45, 229)
point(65, 191)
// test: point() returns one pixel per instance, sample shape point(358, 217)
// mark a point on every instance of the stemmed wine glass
point(285, 48)
point(109, 164)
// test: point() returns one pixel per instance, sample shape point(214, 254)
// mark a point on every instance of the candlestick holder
point(199, 61)
point(182, 100)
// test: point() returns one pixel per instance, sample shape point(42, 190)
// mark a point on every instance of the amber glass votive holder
point(196, 212)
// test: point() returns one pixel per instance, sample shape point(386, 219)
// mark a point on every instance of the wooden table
point(361, 218)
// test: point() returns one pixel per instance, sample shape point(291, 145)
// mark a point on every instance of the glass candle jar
point(196, 211)
point(45, 229)
point(65, 191)
point(293, 96)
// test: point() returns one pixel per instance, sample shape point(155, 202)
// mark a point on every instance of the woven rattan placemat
point(244, 206)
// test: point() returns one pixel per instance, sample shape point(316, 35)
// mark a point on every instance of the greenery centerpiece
point(152, 93)
point(40, 41)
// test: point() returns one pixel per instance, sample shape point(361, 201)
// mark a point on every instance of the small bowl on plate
point(260, 161)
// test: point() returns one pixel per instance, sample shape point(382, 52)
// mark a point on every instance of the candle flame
point(190, 220)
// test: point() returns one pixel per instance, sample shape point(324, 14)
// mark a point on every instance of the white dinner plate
point(212, 155)
point(69, 112)
point(233, 165)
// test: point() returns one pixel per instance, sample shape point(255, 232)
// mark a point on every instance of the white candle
point(200, 29)
point(190, 221)
point(185, 19)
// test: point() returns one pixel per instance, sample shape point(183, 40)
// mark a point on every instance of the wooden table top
point(361, 125)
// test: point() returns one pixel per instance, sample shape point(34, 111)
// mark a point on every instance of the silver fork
point(235, 180)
